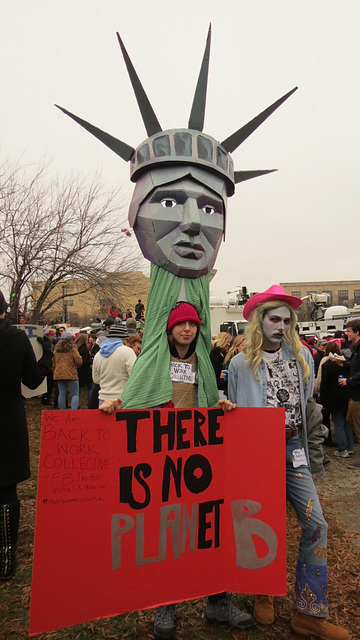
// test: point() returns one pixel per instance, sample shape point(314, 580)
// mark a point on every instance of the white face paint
point(275, 323)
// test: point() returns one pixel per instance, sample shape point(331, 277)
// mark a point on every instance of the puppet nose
point(191, 219)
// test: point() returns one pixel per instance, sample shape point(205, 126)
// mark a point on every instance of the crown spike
point(236, 139)
point(121, 148)
point(197, 115)
point(241, 176)
point(150, 120)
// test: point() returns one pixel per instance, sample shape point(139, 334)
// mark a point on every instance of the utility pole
point(64, 314)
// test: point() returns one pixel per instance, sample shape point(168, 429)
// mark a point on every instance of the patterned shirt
point(283, 387)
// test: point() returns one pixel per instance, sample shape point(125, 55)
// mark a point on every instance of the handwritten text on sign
point(141, 496)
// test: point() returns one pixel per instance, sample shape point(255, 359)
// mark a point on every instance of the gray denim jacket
point(246, 391)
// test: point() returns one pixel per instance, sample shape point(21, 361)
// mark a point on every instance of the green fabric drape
point(150, 384)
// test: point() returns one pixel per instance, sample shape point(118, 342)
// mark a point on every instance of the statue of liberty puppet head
point(183, 178)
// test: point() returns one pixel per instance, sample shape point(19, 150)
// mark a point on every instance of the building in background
point(341, 292)
point(342, 297)
point(78, 305)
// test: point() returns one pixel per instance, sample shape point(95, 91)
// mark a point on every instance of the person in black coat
point(221, 346)
point(94, 347)
point(319, 355)
point(18, 364)
point(84, 371)
point(335, 400)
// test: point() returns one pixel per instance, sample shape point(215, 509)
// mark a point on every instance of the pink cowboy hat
point(275, 292)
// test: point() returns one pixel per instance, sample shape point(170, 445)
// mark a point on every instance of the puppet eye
point(168, 203)
point(209, 209)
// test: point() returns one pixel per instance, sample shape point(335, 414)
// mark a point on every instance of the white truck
point(225, 318)
point(229, 316)
point(326, 320)
point(335, 320)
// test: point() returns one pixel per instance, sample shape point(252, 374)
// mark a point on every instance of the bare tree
point(54, 230)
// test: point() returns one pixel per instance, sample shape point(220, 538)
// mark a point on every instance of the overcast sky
point(301, 223)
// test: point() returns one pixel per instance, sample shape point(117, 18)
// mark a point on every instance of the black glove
point(46, 344)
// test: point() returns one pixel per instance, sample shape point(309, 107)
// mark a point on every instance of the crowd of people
point(67, 365)
point(75, 368)
point(337, 379)
point(269, 366)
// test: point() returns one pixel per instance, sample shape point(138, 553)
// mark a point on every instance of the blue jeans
point(73, 387)
point(343, 431)
point(311, 582)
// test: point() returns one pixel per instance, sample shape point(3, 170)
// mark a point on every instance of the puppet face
point(275, 323)
point(179, 227)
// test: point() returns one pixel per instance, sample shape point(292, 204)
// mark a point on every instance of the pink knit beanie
point(182, 312)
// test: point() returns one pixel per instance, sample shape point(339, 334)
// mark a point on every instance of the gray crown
point(182, 146)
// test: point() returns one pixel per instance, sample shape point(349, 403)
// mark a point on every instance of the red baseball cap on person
point(274, 293)
point(182, 312)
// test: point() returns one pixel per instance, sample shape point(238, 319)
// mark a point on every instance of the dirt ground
point(340, 498)
point(340, 491)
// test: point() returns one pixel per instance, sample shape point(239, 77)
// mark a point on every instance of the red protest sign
point(147, 507)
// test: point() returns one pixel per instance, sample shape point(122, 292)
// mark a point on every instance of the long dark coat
point(17, 363)
point(217, 357)
point(332, 396)
point(84, 371)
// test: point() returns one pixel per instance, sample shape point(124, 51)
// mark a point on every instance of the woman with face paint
point(275, 370)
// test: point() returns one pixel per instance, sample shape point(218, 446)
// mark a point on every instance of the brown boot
point(264, 609)
point(319, 627)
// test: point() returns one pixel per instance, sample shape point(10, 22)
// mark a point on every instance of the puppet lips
point(187, 250)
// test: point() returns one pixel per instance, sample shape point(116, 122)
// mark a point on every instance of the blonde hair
point(254, 337)
point(237, 346)
point(222, 339)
